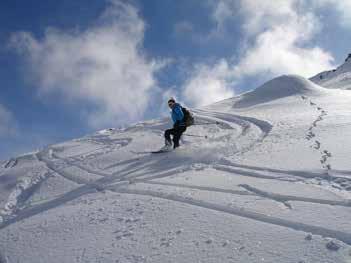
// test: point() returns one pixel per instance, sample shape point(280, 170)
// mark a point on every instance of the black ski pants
point(176, 131)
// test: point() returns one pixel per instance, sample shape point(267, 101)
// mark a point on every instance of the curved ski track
point(247, 124)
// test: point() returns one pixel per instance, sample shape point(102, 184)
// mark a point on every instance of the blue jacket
point(177, 115)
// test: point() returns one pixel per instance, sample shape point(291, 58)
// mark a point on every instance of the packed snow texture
point(261, 177)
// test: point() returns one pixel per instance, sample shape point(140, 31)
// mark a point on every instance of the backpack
point(188, 117)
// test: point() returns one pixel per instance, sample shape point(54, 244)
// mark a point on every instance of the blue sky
point(70, 68)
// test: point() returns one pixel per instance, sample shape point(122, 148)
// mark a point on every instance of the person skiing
point(179, 125)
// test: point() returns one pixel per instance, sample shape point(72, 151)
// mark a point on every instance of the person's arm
point(178, 113)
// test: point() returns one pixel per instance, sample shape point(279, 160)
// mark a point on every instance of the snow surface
point(270, 182)
point(339, 78)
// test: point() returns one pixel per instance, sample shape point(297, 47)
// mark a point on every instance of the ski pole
point(207, 123)
point(194, 135)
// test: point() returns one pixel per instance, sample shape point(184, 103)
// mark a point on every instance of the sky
point(70, 68)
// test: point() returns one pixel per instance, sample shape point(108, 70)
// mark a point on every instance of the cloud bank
point(103, 66)
point(278, 39)
point(342, 7)
point(208, 84)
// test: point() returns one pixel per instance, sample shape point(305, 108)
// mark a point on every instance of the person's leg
point(176, 136)
point(168, 133)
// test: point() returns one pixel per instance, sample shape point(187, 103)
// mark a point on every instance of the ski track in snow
point(246, 123)
point(91, 188)
point(342, 236)
point(287, 198)
point(283, 175)
point(108, 145)
point(31, 211)
point(135, 173)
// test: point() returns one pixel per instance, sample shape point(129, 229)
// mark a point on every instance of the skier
point(179, 125)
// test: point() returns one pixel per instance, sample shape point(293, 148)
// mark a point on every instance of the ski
point(161, 151)
point(195, 135)
point(149, 152)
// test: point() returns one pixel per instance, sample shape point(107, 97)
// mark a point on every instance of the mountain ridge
point(339, 78)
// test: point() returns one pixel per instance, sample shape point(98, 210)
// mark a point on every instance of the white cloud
point(278, 37)
point(343, 7)
point(208, 84)
point(103, 65)
point(224, 10)
point(8, 125)
point(281, 41)
point(261, 15)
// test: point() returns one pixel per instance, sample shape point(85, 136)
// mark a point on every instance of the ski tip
point(148, 152)
point(161, 151)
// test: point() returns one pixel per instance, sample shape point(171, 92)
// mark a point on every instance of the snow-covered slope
point(270, 182)
point(339, 78)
